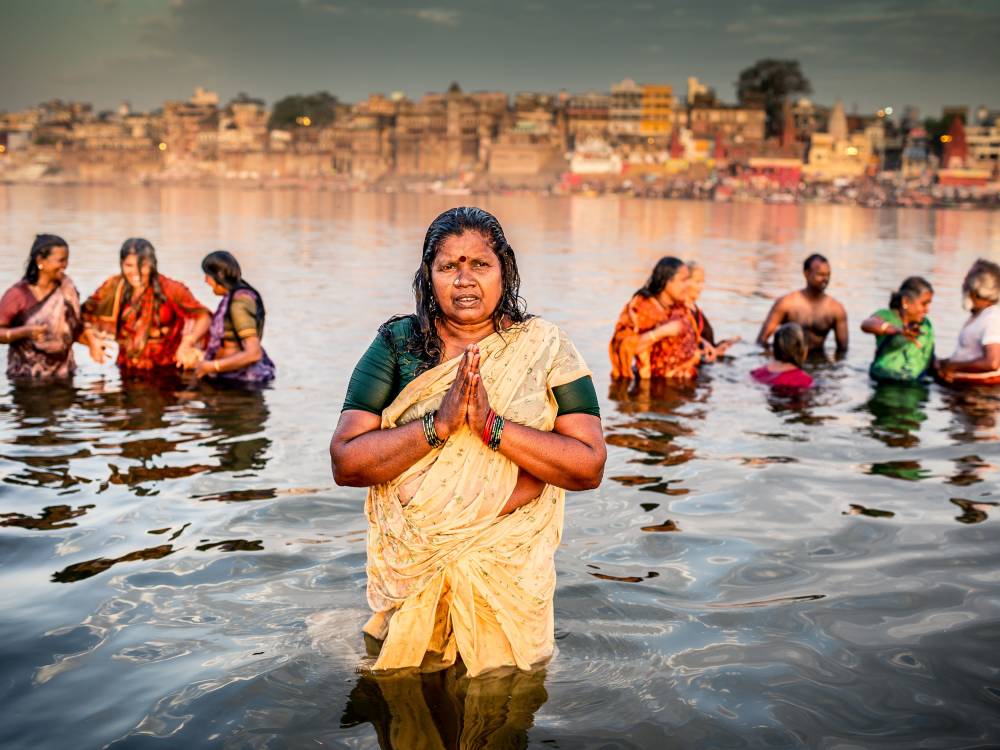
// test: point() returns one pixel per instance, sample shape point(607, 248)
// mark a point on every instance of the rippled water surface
point(177, 568)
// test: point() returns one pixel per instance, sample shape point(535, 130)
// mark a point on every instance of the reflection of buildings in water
point(974, 413)
point(645, 404)
point(448, 709)
point(898, 410)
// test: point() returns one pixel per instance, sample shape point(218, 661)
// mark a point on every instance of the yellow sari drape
point(446, 576)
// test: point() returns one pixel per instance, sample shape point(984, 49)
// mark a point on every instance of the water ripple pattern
point(177, 568)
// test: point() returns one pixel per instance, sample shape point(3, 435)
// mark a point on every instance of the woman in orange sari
point(156, 321)
point(656, 335)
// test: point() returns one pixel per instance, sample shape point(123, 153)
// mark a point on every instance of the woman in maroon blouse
point(40, 316)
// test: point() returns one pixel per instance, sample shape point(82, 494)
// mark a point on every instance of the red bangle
point(488, 428)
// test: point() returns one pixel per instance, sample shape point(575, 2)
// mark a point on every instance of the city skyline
point(146, 51)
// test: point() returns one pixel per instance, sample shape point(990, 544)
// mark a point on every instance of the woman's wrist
point(431, 434)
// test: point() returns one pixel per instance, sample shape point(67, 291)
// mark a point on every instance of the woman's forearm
point(983, 364)
point(12, 334)
point(378, 455)
point(198, 330)
point(568, 462)
point(236, 361)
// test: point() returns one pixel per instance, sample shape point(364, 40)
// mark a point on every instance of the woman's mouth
point(466, 300)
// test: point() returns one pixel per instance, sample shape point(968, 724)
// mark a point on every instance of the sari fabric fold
point(148, 328)
point(446, 575)
point(674, 357)
point(59, 312)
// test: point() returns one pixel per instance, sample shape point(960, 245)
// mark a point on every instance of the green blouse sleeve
point(243, 312)
point(577, 397)
point(373, 383)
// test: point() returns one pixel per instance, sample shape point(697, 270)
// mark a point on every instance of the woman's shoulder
point(19, 288)
point(887, 314)
point(18, 295)
point(246, 298)
point(398, 329)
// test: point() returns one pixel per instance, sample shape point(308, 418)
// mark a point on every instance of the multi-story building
point(421, 128)
point(185, 121)
point(656, 115)
point(734, 124)
point(587, 116)
point(625, 116)
point(983, 143)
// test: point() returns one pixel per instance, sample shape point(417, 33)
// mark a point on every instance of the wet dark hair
point(807, 263)
point(664, 270)
point(43, 245)
point(223, 267)
point(425, 343)
point(789, 344)
point(910, 289)
point(143, 250)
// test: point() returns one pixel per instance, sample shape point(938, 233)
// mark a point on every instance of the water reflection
point(973, 512)
point(447, 709)
point(144, 421)
point(898, 410)
point(83, 570)
point(974, 413)
point(656, 414)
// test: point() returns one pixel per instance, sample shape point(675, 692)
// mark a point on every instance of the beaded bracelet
point(429, 432)
point(496, 433)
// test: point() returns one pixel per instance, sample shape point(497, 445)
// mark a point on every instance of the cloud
point(436, 16)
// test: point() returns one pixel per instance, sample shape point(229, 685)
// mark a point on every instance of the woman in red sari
point(656, 335)
point(156, 321)
point(40, 316)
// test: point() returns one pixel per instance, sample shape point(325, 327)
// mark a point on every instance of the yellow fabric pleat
point(446, 576)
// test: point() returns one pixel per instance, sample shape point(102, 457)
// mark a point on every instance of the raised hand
point(479, 401)
point(451, 414)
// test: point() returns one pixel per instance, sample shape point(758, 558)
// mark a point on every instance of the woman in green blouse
point(904, 336)
point(234, 353)
point(467, 421)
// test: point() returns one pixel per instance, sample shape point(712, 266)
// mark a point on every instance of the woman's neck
point(461, 335)
point(665, 299)
point(45, 284)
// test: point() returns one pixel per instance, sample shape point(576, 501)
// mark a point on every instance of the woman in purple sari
point(40, 316)
point(234, 354)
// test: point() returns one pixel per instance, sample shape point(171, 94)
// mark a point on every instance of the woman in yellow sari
point(468, 421)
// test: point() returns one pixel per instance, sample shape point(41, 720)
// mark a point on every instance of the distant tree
point(770, 83)
point(319, 108)
point(936, 127)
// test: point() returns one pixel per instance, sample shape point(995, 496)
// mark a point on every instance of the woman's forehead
point(471, 244)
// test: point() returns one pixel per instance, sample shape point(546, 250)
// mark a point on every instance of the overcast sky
point(927, 53)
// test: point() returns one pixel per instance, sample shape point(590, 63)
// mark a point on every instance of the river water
point(177, 569)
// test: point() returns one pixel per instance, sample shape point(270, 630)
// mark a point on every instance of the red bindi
point(462, 259)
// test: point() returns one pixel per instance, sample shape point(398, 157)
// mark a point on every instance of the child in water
point(789, 350)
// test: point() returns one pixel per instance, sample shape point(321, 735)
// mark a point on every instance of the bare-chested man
point(812, 308)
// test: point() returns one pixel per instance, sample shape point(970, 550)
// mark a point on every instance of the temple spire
point(837, 126)
point(956, 151)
